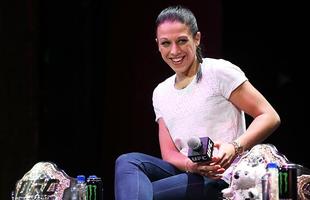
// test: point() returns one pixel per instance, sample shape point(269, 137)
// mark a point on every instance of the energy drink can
point(288, 182)
point(94, 188)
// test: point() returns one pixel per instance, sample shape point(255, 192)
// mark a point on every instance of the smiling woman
point(178, 46)
point(206, 97)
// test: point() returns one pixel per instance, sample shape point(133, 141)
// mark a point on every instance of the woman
point(204, 98)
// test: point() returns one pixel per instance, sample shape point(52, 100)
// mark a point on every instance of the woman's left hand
point(226, 154)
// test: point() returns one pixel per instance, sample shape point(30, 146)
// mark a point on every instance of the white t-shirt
point(202, 109)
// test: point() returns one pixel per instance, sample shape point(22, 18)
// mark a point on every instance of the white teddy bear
point(246, 182)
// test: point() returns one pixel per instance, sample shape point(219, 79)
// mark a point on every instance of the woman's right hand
point(210, 169)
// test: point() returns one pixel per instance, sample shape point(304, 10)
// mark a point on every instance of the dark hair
point(184, 16)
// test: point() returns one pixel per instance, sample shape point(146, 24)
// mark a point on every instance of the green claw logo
point(92, 194)
point(283, 182)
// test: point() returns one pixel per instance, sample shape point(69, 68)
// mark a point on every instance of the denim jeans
point(142, 177)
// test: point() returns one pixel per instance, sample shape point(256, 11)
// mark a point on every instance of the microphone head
point(194, 143)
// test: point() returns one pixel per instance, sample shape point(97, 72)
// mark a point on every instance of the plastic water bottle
point(74, 193)
point(273, 180)
point(81, 187)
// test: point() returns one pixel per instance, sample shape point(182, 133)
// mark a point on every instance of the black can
point(94, 188)
point(288, 182)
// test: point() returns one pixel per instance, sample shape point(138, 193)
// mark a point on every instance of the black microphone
point(200, 149)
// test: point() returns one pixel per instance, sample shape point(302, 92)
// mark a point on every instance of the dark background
point(76, 77)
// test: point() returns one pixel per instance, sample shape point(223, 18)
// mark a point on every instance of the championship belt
point(44, 181)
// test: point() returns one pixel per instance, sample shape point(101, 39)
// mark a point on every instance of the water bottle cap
point(272, 165)
point(80, 178)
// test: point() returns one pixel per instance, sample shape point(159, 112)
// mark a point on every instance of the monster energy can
point(288, 182)
point(94, 188)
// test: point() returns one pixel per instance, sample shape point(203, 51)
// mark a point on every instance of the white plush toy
point(246, 180)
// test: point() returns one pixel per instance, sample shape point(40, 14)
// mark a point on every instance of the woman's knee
point(128, 158)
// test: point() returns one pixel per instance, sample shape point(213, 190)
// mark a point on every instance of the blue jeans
point(142, 177)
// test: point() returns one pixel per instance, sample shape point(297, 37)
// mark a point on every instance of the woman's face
point(177, 45)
